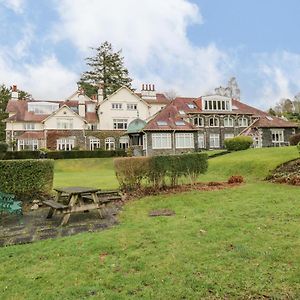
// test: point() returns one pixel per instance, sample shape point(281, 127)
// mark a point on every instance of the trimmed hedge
point(294, 139)
point(26, 178)
point(238, 143)
point(3, 149)
point(63, 154)
point(157, 170)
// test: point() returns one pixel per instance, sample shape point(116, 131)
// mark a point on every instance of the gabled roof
point(76, 94)
point(129, 90)
point(62, 107)
point(173, 115)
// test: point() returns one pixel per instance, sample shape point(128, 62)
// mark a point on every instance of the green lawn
point(240, 243)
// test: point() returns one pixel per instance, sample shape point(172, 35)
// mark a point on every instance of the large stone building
point(146, 121)
point(192, 124)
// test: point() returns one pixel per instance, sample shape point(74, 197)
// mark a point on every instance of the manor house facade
point(146, 121)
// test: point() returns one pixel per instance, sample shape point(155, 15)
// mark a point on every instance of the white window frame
point(28, 144)
point(184, 140)
point(201, 141)
point(216, 122)
point(144, 142)
point(116, 106)
point(214, 140)
point(110, 143)
point(277, 136)
point(131, 106)
point(243, 122)
point(217, 105)
point(120, 124)
point(94, 143)
point(161, 141)
point(228, 122)
point(124, 142)
point(65, 144)
point(197, 123)
point(42, 108)
point(64, 123)
point(29, 126)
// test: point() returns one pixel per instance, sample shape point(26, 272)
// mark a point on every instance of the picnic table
point(75, 197)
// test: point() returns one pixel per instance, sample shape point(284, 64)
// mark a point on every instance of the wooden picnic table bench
point(75, 196)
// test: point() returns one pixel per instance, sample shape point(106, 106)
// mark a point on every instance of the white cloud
point(16, 5)
point(47, 79)
point(153, 36)
point(280, 74)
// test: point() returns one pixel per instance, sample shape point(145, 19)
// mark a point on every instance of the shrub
point(298, 147)
point(22, 155)
point(294, 139)
point(176, 166)
point(130, 171)
point(3, 149)
point(157, 169)
point(26, 178)
point(236, 179)
point(238, 143)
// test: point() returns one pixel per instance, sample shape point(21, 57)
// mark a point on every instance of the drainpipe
point(174, 148)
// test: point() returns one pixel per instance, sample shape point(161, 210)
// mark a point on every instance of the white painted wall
point(19, 126)
point(51, 123)
point(124, 96)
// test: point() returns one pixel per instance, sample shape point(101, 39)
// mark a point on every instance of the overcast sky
point(189, 46)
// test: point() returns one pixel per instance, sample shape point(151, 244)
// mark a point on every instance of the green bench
point(9, 204)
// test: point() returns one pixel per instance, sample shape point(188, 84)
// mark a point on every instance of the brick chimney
point(14, 92)
point(148, 92)
point(100, 93)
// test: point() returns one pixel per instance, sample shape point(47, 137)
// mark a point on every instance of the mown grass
point(236, 243)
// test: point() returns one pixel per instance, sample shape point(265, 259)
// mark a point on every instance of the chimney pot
point(14, 88)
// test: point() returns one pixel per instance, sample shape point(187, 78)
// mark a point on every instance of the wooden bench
point(55, 205)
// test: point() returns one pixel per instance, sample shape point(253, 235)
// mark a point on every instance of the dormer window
point(213, 122)
point(243, 122)
point(198, 121)
point(216, 103)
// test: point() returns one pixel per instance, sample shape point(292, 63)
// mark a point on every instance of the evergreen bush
point(3, 149)
point(157, 170)
point(26, 178)
point(238, 143)
point(294, 139)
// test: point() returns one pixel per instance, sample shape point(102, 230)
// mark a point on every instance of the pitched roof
point(169, 117)
point(172, 116)
point(20, 108)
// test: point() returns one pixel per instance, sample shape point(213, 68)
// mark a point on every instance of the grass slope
point(237, 243)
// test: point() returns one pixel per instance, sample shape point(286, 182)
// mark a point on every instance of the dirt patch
point(161, 212)
point(199, 186)
point(287, 173)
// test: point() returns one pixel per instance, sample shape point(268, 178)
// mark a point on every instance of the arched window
point(198, 121)
point(94, 143)
point(213, 122)
point(110, 143)
point(228, 122)
point(243, 122)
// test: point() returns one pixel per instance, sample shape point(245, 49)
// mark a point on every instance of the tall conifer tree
point(106, 68)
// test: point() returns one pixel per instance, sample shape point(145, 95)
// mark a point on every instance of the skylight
point(181, 112)
point(179, 123)
point(234, 107)
point(269, 118)
point(162, 123)
point(191, 105)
